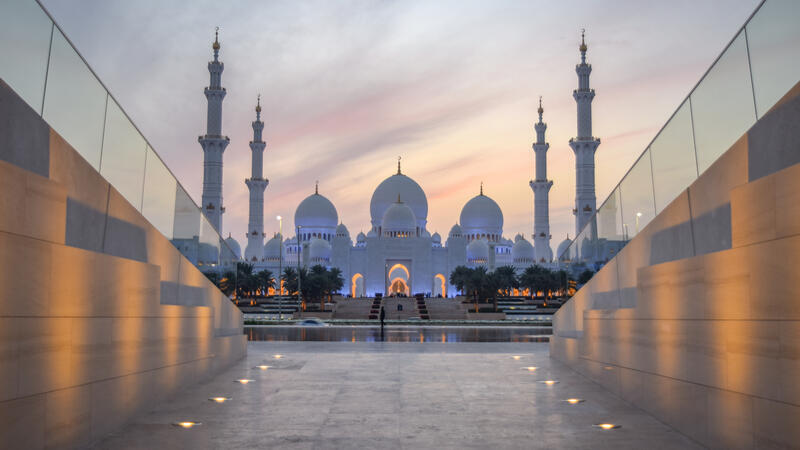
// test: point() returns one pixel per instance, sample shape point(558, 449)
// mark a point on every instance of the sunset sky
point(451, 86)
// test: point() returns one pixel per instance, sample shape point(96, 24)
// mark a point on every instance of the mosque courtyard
point(396, 395)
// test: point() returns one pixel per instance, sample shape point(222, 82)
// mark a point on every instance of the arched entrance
point(357, 285)
point(398, 278)
point(439, 285)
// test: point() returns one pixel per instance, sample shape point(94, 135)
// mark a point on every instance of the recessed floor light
point(262, 367)
point(243, 381)
point(530, 368)
point(277, 356)
point(549, 382)
point(186, 424)
point(574, 401)
point(516, 357)
point(607, 426)
point(608, 367)
point(219, 399)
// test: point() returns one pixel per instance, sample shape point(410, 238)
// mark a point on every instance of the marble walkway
point(396, 395)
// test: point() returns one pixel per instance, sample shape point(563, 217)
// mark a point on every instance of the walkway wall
point(697, 319)
point(100, 316)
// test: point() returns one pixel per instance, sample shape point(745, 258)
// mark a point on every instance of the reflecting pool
point(447, 334)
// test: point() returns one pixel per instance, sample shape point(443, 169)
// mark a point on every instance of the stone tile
point(753, 212)
point(68, 418)
point(45, 209)
point(24, 292)
point(775, 424)
point(787, 198)
point(23, 134)
point(13, 187)
point(771, 265)
point(45, 357)
point(9, 359)
point(21, 422)
point(92, 350)
point(790, 361)
point(752, 358)
point(731, 424)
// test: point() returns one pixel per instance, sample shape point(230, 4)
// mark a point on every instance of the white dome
point(562, 247)
point(409, 191)
point(319, 251)
point(316, 211)
point(522, 252)
point(342, 231)
point(399, 218)
point(478, 251)
point(437, 238)
point(481, 215)
point(272, 249)
point(234, 246)
point(455, 231)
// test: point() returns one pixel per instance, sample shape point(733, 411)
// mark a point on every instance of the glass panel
point(24, 43)
point(209, 244)
point(186, 225)
point(636, 191)
point(610, 233)
point(772, 37)
point(674, 164)
point(75, 102)
point(122, 161)
point(158, 202)
point(722, 105)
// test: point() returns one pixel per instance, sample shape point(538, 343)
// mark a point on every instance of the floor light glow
point(530, 369)
point(219, 399)
point(186, 424)
point(574, 401)
point(549, 382)
point(278, 356)
point(516, 357)
point(607, 426)
point(262, 367)
point(243, 381)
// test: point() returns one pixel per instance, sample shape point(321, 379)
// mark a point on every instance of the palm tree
point(289, 277)
point(534, 278)
point(506, 279)
point(478, 283)
point(459, 278)
point(227, 282)
point(335, 281)
point(264, 281)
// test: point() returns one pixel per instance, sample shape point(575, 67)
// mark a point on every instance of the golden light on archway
point(353, 283)
point(443, 282)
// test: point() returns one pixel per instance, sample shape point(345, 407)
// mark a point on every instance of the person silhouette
point(383, 316)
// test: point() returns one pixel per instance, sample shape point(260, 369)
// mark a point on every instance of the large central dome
point(316, 211)
point(409, 191)
point(481, 216)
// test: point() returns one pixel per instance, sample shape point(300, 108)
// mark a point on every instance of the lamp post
point(280, 269)
point(638, 215)
point(299, 250)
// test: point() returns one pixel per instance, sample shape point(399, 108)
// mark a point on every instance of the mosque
point(398, 256)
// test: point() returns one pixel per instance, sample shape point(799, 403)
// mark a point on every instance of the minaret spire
point(481, 187)
point(213, 142)
point(541, 194)
point(316, 187)
point(584, 145)
point(256, 184)
point(398, 166)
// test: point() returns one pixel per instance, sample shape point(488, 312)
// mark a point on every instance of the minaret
point(256, 185)
point(584, 145)
point(214, 143)
point(541, 194)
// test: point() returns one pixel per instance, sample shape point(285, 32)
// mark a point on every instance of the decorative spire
point(316, 188)
point(398, 166)
point(540, 110)
point(258, 108)
point(215, 46)
point(481, 187)
point(583, 45)
point(398, 198)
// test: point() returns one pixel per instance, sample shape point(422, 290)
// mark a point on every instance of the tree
point(506, 278)
point(494, 281)
point(459, 278)
point(479, 284)
point(263, 281)
point(213, 276)
point(561, 280)
point(289, 277)
point(335, 281)
point(585, 276)
point(534, 278)
point(227, 282)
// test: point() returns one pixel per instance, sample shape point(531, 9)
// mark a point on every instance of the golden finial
point(583, 41)
point(398, 165)
point(216, 39)
point(541, 110)
point(481, 187)
point(398, 198)
point(258, 104)
point(316, 187)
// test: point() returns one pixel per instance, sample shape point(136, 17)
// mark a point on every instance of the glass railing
point(759, 66)
point(43, 67)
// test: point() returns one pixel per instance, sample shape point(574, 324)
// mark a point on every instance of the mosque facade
point(398, 255)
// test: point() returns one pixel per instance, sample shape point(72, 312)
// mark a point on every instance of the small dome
point(316, 211)
point(361, 237)
point(371, 233)
point(478, 251)
point(319, 251)
point(425, 233)
point(522, 252)
point(272, 249)
point(341, 231)
point(234, 246)
point(562, 247)
point(481, 215)
point(518, 237)
point(399, 218)
point(437, 238)
point(455, 231)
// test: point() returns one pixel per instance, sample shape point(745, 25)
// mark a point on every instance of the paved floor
point(397, 395)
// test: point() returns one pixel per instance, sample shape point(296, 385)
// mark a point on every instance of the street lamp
point(638, 215)
point(280, 269)
point(299, 250)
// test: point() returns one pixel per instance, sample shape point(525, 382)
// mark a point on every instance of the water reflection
point(399, 334)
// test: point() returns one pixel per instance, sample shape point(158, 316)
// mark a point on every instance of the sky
point(450, 86)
